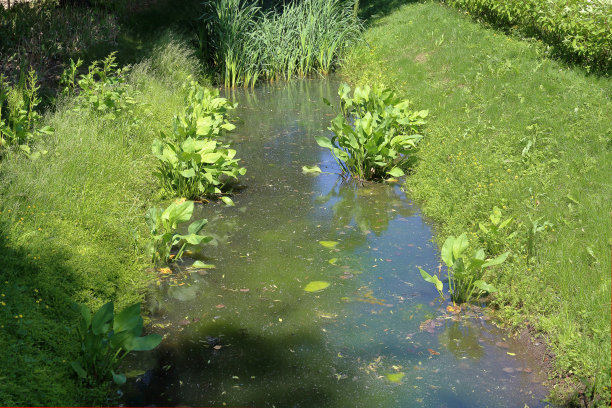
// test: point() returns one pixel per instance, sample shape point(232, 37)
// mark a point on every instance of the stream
point(246, 333)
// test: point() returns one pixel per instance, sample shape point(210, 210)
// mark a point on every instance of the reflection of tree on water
point(461, 339)
point(371, 207)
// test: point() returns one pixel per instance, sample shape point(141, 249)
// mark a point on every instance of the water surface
point(247, 334)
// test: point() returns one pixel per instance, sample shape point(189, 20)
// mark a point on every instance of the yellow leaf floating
point(316, 286)
point(395, 377)
point(165, 271)
point(329, 244)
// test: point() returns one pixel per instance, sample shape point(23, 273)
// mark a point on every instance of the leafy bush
point(107, 338)
point(305, 37)
point(464, 272)
point(20, 122)
point(163, 224)
point(579, 29)
point(375, 133)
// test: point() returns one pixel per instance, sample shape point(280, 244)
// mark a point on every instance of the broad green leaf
point(101, 321)
point(195, 239)
point(329, 244)
point(311, 169)
point(316, 286)
point(228, 201)
point(197, 226)
point(187, 173)
point(395, 377)
point(496, 261)
point(211, 157)
point(178, 213)
point(228, 126)
point(324, 141)
point(202, 265)
point(396, 172)
point(86, 315)
point(482, 285)
point(432, 279)
point(460, 245)
point(144, 343)
point(128, 319)
point(119, 379)
point(447, 251)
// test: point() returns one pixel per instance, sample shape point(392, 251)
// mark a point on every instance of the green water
point(247, 334)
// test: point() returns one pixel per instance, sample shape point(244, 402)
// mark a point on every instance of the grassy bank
point(512, 129)
point(72, 228)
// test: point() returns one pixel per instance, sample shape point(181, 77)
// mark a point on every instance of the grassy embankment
point(72, 229)
point(513, 129)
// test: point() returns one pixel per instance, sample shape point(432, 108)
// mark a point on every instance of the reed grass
point(247, 44)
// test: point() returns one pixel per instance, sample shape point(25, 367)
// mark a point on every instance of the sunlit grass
point(511, 129)
point(71, 224)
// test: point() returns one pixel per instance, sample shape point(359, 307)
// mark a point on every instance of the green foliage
point(106, 339)
point(306, 37)
point(72, 230)
point(374, 135)
point(103, 89)
point(193, 163)
point(464, 272)
point(496, 231)
point(20, 123)
point(196, 168)
point(163, 224)
point(579, 29)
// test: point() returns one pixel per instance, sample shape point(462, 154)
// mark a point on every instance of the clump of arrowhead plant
point(465, 272)
point(375, 133)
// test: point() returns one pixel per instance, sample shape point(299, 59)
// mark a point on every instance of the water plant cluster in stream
point(192, 161)
point(375, 133)
point(246, 44)
point(465, 273)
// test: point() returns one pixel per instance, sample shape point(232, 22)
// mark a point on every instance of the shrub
point(375, 133)
point(578, 29)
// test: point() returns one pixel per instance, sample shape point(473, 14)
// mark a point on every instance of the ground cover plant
point(72, 229)
point(245, 44)
point(512, 129)
point(375, 133)
point(579, 30)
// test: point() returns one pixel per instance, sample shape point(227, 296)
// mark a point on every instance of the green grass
point(70, 228)
point(490, 96)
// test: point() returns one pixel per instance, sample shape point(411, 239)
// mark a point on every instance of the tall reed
point(306, 37)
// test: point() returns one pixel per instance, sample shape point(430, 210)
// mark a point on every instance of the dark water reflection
point(247, 334)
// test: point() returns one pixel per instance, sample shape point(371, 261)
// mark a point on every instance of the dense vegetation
point(579, 30)
point(245, 44)
point(73, 226)
point(511, 135)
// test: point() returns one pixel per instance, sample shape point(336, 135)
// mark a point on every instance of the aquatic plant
point(163, 224)
point(375, 133)
point(205, 114)
point(464, 271)
point(106, 339)
point(196, 168)
point(306, 37)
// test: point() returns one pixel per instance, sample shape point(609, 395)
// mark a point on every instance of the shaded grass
point(71, 225)
point(512, 129)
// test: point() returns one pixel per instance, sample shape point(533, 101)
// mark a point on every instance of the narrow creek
point(247, 333)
